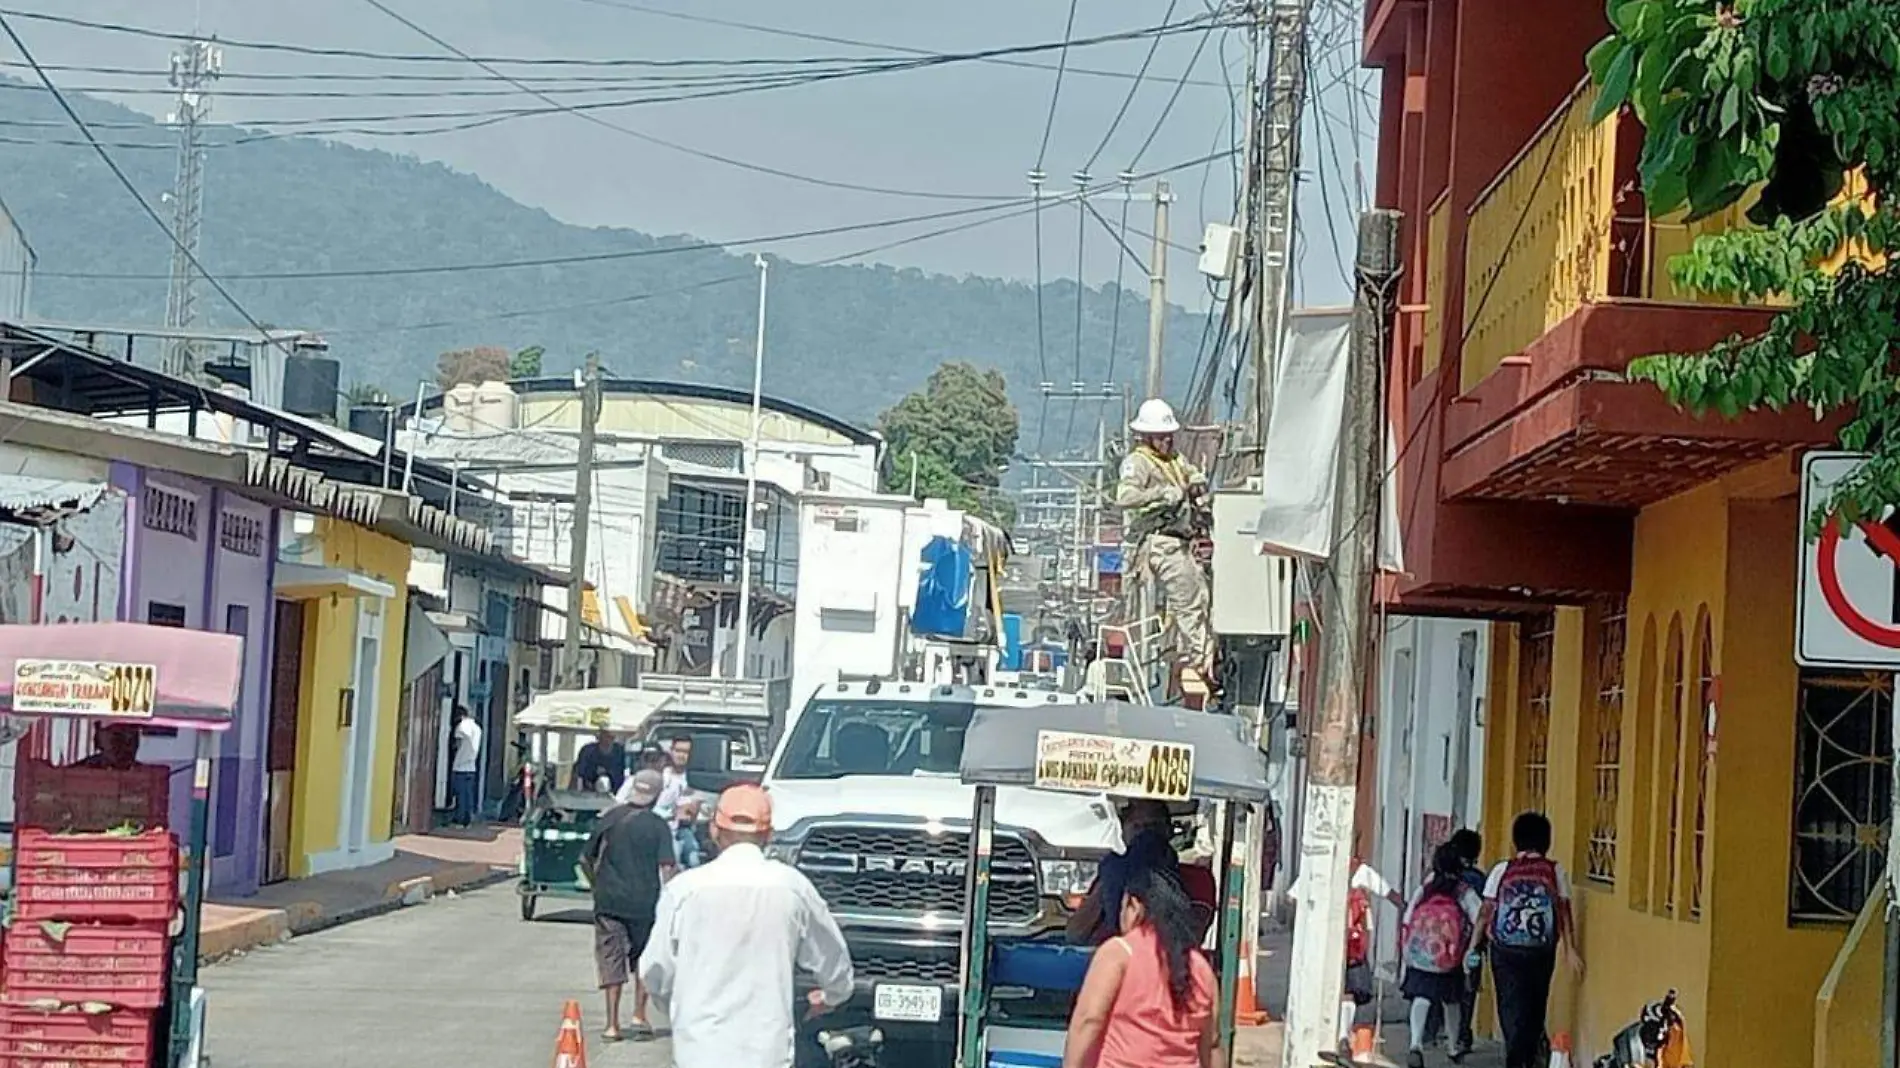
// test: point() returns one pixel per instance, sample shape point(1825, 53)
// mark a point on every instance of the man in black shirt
point(602, 758)
point(628, 857)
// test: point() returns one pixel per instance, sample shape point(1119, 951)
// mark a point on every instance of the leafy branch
point(1784, 101)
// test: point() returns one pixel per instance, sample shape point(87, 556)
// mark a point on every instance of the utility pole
point(589, 384)
point(194, 67)
point(1279, 146)
point(1331, 794)
point(751, 488)
point(1158, 289)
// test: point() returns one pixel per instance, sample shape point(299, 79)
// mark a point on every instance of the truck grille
point(908, 872)
point(908, 969)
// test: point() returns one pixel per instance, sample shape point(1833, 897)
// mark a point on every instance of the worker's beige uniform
point(1153, 495)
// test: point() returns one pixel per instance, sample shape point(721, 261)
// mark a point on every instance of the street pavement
point(460, 981)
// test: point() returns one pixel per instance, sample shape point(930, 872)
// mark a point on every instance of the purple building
point(205, 558)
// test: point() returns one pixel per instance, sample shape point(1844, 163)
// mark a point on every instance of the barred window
point(1534, 711)
point(1843, 793)
point(1705, 736)
point(1675, 694)
point(1606, 778)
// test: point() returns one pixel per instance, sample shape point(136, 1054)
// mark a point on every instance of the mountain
point(846, 339)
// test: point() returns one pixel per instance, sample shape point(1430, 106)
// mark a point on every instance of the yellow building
point(348, 582)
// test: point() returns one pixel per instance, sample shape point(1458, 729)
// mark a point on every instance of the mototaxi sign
point(1120, 767)
point(84, 688)
point(1847, 610)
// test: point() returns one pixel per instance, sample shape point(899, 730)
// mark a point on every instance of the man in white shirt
point(726, 942)
point(464, 765)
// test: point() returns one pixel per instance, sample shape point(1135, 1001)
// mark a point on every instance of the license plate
point(912, 1004)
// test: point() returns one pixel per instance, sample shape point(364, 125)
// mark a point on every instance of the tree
point(526, 363)
point(1793, 98)
point(960, 432)
point(483, 363)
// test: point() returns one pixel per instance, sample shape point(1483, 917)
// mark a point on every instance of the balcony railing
point(1563, 225)
point(1437, 237)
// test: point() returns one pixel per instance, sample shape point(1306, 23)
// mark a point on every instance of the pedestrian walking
point(1526, 919)
point(1148, 998)
point(628, 859)
point(465, 761)
point(1364, 888)
point(1470, 848)
point(1439, 921)
point(729, 937)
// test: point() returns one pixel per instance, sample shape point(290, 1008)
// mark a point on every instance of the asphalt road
point(459, 981)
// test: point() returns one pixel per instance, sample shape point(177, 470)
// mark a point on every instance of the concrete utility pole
point(1279, 148)
point(751, 490)
point(589, 385)
point(1158, 289)
point(1319, 935)
point(194, 67)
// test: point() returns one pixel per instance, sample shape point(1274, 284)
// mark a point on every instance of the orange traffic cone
point(1247, 1010)
point(1560, 1050)
point(570, 1046)
point(1365, 1050)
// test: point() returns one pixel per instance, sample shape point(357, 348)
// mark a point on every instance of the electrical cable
point(1173, 97)
point(1055, 95)
point(1133, 88)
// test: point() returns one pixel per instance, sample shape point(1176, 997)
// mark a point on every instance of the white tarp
point(1303, 441)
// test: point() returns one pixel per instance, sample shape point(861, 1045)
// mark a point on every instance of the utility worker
point(1158, 494)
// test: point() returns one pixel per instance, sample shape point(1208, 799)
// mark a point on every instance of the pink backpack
point(1436, 936)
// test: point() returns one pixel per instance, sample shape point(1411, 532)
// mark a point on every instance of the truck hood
point(1065, 821)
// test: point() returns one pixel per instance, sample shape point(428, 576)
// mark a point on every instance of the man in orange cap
point(726, 942)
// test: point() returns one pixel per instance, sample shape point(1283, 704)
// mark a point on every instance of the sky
point(943, 134)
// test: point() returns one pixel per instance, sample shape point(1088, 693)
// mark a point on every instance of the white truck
point(868, 803)
point(747, 713)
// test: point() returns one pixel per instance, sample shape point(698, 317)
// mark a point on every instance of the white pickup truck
point(868, 803)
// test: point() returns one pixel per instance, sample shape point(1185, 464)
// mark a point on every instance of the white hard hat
point(1154, 417)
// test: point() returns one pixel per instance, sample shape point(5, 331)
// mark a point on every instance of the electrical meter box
point(1220, 250)
point(1253, 592)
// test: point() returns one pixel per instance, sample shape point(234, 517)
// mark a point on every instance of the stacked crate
point(87, 956)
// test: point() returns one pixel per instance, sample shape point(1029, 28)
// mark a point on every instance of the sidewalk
point(424, 865)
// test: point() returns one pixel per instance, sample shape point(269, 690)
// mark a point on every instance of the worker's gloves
point(1172, 496)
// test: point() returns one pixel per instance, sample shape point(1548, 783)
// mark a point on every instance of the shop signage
point(1124, 767)
point(84, 688)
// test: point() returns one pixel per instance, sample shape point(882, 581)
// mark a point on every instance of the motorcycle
point(1658, 1039)
point(852, 1047)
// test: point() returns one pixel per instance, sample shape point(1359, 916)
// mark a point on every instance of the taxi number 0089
point(1170, 771)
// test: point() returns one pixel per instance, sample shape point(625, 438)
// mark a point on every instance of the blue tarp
point(1108, 559)
point(943, 589)
point(1012, 658)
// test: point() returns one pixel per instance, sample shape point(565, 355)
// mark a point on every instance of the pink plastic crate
point(95, 877)
point(72, 1039)
point(122, 966)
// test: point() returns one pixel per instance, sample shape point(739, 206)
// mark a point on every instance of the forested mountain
point(846, 339)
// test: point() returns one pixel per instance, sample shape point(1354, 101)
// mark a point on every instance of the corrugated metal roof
point(25, 492)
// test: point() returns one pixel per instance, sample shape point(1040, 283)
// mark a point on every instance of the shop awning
point(193, 679)
point(425, 646)
point(303, 582)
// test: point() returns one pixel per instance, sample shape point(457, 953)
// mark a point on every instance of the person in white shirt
point(727, 939)
point(1365, 888)
point(464, 765)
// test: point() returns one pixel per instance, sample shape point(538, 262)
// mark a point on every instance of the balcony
point(1566, 281)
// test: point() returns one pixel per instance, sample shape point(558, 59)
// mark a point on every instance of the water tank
point(495, 407)
point(224, 428)
point(310, 386)
point(458, 409)
point(370, 420)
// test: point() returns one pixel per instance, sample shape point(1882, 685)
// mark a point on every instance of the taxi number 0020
point(1170, 771)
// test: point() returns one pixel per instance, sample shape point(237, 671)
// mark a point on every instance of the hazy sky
point(962, 129)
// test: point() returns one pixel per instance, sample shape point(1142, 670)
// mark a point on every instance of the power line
point(1055, 95)
point(1133, 88)
point(1173, 97)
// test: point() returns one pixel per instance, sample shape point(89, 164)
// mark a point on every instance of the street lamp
point(746, 528)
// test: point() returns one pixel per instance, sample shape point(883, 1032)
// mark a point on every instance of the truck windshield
point(833, 739)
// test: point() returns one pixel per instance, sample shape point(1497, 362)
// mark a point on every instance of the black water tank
point(370, 420)
point(310, 386)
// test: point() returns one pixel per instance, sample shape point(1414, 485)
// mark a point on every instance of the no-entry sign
point(1847, 613)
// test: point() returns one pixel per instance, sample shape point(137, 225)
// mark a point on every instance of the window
point(1669, 759)
point(1637, 853)
point(1705, 737)
point(1534, 704)
point(1843, 793)
point(1607, 734)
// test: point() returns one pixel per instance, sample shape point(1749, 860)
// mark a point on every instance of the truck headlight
point(1068, 879)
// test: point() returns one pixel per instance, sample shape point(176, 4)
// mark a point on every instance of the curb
point(272, 926)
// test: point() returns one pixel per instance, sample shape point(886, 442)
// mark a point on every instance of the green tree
point(526, 363)
point(959, 432)
point(1784, 99)
point(483, 363)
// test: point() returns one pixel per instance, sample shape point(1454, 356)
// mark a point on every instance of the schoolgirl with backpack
point(1435, 938)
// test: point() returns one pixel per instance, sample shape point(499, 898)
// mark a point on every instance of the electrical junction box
point(1252, 591)
point(1220, 250)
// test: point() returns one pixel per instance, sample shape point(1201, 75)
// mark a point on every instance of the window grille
point(1537, 650)
point(1607, 774)
point(1843, 793)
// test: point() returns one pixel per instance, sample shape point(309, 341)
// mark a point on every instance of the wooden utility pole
point(1158, 289)
point(1319, 934)
point(572, 673)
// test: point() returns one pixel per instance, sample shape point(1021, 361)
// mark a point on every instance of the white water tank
point(458, 409)
point(495, 407)
point(224, 428)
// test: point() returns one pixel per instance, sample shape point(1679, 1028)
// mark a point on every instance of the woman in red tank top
point(1148, 999)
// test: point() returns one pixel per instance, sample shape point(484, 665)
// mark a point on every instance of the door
point(280, 746)
point(226, 774)
point(362, 742)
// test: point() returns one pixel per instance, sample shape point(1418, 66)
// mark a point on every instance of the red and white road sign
point(1847, 613)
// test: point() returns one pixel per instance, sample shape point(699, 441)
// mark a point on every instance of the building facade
point(1722, 811)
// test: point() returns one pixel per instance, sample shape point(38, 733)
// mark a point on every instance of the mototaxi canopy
point(608, 708)
point(164, 676)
